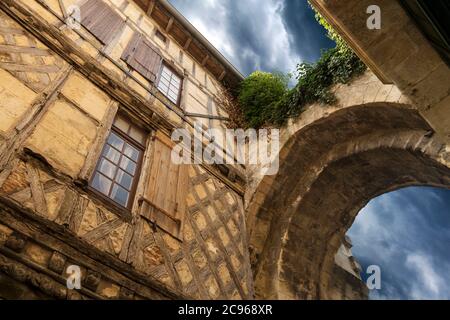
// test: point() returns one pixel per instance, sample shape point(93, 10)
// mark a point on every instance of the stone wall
point(372, 141)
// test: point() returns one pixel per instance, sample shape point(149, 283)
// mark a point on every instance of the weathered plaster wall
point(54, 119)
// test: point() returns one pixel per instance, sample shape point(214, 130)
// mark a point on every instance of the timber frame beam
point(27, 226)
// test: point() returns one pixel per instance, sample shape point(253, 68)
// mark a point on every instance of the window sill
point(113, 207)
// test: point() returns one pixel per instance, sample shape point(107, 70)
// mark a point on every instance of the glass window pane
point(119, 194)
point(165, 78)
point(124, 179)
point(122, 124)
point(174, 100)
point(137, 135)
point(176, 80)
point(128, 165)
point(111, 154)
point(115, 141)
point(173, 92)
point(131, 152)
point(101, 183)
point(107, 168)
point(163, 88)
point(166, 71)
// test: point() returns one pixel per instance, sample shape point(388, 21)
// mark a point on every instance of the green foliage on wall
point(260, 96)
point(265, 99)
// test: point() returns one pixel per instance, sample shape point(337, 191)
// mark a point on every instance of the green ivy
point(265, 99)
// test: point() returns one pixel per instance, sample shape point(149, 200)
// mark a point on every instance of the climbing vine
point(265, 99)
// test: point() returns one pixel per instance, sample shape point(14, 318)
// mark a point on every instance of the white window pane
point(176, 80)
point(115, 141)
point(131, 152)
point(173, 99)
point(173, 95)
point(163, 88)
point(124, 179)
point(164, 82)
point(101, 183)
point(128, 165)
point(111, 154)
point(174, 90)
point(166, 72)
point(165, 77)
point(119, 194)
point(107, 168)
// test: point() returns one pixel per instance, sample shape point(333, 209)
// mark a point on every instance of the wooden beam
point(169, 24)
point(187, 44)
point(222, 75)
point(205, 59)
point(151, 6)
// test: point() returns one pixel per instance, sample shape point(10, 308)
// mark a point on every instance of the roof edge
point(197, 35)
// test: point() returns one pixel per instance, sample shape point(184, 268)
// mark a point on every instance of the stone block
point(16, 242)
point(212, 287)
point(108, 290)
point(5, 232)
point(92, 280)
point(224, 274)
point(57, 262)
point(183, 271)
point(37, 253)
point(199, 259)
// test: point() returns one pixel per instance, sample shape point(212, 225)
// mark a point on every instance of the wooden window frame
point(139, 163)
point(178, 74)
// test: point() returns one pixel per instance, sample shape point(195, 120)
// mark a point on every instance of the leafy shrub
point(259, 95)
point(266, 100)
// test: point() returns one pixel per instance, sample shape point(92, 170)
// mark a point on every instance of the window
point(118, 168)
point(143, 57)
point(100, 20)
point(160, 36)
point(169, 84)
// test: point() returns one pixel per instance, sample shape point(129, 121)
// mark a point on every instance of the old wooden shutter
point(143, 57)
point(164, 202)
point(100, 20)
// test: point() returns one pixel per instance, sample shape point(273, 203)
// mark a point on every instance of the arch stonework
point(333, 160)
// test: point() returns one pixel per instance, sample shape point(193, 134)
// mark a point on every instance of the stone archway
point(330, 167)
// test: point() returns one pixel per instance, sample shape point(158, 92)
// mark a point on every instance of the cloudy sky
point(407, 232)
point(269, 35)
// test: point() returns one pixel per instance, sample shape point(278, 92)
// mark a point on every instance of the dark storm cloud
point(271, 35)
point(307, 37)
point(407, 234)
